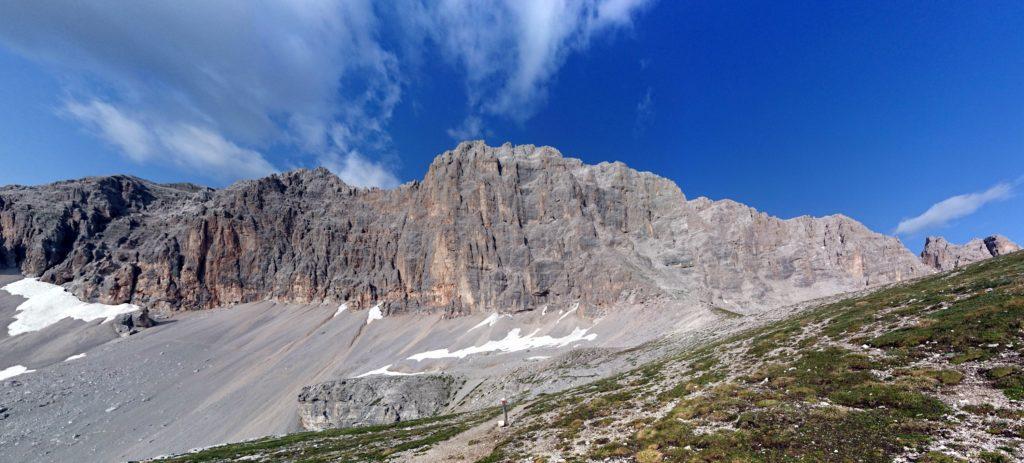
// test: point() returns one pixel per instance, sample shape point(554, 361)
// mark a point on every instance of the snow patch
point(538, 357)
point(375, 314)
point(75, 357)
point(11, 372)
point(47, 304)
point(571, 311)
point(341, 308)
point(385, 370)
point(513, 342)
point(489, 321)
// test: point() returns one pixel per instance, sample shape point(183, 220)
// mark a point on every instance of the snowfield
point(48, 304)
point(11, 372)
point(375, 314)
point(489, 321)
point(385, 370)
point(512, 342)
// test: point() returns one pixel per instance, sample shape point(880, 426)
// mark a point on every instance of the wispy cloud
point(319, 77)
point(196, 148)
point(949, 209)
point(510, 50)
point(113, 126)
point(644, 113)
point(214, 83)
point(356, 170)
point(471, 128)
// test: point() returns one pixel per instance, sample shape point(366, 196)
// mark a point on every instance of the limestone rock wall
point(503, 228)
point(943, 255)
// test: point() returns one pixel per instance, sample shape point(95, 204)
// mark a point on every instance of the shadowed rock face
point(943, 255)
point(373, 400)
point(488, 228)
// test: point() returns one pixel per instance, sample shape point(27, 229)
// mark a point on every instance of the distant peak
point(943, 255)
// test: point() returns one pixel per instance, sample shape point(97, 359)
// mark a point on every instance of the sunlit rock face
point(488, 229)
point(943, 255)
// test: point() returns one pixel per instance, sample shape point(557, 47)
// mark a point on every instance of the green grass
point(826, 402)
point(367, 443)
point(1008, 378)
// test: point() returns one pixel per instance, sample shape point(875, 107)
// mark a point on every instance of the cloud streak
point(195, 148)
point(510, 50)
point(229, 85)
point(949, 209)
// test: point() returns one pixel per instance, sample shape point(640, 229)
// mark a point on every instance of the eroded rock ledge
point(374, 400)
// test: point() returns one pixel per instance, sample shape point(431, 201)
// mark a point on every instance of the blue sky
point(907, 116)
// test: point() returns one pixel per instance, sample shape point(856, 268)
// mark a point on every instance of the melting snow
point(375, 314)
point(341, 308)
point(571, 311)
point(11, 372)
point(512, 342)
point(386, 372)
point(489, 321)
point(47, 304)
point(75, 357)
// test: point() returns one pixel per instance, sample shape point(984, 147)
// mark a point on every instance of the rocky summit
point(505, 229)
point(943, 255)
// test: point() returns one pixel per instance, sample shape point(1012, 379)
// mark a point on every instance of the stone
point(374, 400)
point(943, 255)
point(127, 324)
point(506, 229)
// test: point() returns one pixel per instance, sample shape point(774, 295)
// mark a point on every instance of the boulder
point(374, 400)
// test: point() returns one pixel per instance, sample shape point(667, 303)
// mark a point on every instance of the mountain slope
point(506, 229)
point(927, 371)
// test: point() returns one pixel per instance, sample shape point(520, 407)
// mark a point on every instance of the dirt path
point(473, 444)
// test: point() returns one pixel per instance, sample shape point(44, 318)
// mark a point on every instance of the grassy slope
point(928, 371)
point(368, 443)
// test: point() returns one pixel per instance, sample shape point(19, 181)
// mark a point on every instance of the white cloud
point(644, 113)
point(953, 208)
point(471, 128)
point(511, 49)
point(115, 127)
point(190, 84)
point(318, 77)
point(356, 170)
point(198, 149)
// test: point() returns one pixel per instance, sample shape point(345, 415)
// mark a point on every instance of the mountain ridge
point(505, 229)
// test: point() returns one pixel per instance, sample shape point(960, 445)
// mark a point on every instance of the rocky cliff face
point(504, 228)
point(943, 255)
point(373, 400)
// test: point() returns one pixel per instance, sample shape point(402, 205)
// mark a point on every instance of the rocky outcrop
point(943, 255)
point(506, 228)
point(127, 324)
point(374, 400)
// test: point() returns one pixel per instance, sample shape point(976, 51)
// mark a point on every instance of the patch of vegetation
point(1008, 378)
point(726, 312)
point(367, 443)
point(939, 457)
point(877, 395)
point(781, 434)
